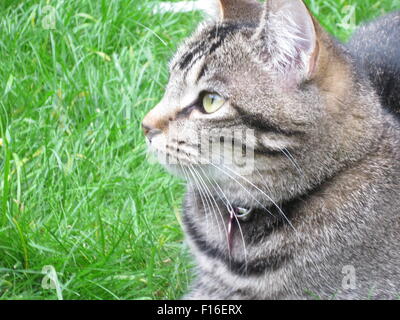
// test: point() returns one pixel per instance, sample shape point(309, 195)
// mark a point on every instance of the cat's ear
point(233, 10)
point(288, 34)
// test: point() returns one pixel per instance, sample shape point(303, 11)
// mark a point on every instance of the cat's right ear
point(289, 40)
point(233, 10)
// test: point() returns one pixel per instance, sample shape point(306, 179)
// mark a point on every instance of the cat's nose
point(149, 131)
point(156, 120)
point(146, 129)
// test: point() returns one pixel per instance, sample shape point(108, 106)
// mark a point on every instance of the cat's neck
point(343, 207)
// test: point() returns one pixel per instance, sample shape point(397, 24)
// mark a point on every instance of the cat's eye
point(212, 102)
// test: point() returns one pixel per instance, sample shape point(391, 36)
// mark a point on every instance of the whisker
point(257, 188)
point(210, 196)
point(270, 199)
point(292, 160)
point(207, 198)
point(264, 184)
point(201, 197)
point(230, 208)
point(241, 185)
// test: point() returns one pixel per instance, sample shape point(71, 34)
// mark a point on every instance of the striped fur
point(324, 189)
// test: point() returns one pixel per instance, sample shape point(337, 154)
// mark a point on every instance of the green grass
point(76, 191)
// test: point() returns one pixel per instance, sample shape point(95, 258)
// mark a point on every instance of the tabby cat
point(315, 209)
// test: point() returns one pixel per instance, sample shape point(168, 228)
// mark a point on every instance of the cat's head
point(265, 83)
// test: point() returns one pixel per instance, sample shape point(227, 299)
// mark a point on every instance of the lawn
point(76, 190)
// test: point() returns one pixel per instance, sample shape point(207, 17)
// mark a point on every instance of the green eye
point(212, 102)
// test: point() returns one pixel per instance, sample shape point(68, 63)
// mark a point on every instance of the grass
point(76, 191)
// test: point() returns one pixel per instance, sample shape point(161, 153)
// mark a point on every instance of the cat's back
point(376, 49)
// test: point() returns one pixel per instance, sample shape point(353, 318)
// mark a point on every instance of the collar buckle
point(243, 214)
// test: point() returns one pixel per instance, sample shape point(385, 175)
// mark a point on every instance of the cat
point(314, 210)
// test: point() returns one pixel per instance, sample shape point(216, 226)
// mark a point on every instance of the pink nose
point(150, 132)
point(146, 129)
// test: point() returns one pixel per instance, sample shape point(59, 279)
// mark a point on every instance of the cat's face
point(258, 106)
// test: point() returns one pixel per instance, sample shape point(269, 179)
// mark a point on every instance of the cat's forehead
point(206, 41)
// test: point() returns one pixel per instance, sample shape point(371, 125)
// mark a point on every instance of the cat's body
point(376, 48)
point(323, 211)
point(346, 230)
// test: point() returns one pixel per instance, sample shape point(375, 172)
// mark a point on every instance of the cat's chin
point(239, 190)
point(206, 173)
point(190, 172)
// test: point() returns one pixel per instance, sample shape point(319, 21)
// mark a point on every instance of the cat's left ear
point(233, 10)
point(288, 37)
